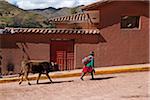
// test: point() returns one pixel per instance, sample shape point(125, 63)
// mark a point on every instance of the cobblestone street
point(125, 86)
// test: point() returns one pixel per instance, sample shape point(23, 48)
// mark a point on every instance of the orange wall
point(123, 46)
point(11, 56)
point(39, 47)
point(14, 55)
point(82, 50)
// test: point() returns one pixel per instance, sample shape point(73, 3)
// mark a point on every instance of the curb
point(75, 74)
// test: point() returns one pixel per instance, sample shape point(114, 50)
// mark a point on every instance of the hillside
point(11, 16)
point(53, 12)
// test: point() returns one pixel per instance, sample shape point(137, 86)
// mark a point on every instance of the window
point(130, 22)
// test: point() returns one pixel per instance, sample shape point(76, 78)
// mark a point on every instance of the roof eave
point(95, 4)
point(103, 2)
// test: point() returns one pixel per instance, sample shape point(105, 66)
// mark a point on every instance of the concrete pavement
point(77, 72)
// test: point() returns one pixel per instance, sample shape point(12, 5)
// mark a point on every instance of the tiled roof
point(50, 31)
point(81, 17)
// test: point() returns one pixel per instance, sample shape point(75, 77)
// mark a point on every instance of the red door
point(61, 59)
point(62, 52)
point(70, 61)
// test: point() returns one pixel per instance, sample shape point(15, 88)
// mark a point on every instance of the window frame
point(139, 26)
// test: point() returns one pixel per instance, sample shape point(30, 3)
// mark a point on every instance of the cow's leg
point(26, 77)
point(21, 74)
point(38, 78)
point(21, 79)
point(49, 77)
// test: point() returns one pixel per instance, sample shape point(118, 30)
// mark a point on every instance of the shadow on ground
point(53, 82)
point(103, 78)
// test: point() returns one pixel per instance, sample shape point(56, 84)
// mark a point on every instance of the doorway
point(62, 52)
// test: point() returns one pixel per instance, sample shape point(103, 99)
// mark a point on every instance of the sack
point(86, 60)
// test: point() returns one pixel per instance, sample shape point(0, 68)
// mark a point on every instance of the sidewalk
point(77, 72)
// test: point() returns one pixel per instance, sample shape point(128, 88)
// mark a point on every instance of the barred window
point(129, 22)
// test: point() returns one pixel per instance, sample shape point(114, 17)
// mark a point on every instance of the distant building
point(117, 31)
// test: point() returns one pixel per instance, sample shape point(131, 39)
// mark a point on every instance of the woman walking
point(88, 65)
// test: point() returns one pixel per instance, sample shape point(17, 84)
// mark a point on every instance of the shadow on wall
point(102, 39)
point(10, 68)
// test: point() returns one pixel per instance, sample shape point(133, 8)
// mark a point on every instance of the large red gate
point(62, 52)
point(61, 59)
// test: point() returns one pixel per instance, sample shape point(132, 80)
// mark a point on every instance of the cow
point(41, 67)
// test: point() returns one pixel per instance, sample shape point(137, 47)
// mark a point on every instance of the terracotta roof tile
point(49, 31)
point(80, 17)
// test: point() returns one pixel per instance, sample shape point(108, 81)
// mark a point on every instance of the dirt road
point(125, 86)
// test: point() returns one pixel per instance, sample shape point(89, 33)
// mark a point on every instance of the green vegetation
point(74, 10)
point(11, 16)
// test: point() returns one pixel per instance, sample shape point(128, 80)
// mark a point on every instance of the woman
point(89, 66)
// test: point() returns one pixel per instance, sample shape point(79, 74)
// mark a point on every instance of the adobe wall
point(14, 55)
point(11, 56)
point(82, 50)
point(123, 46)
